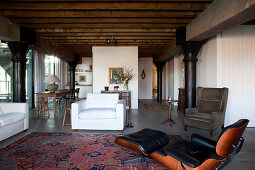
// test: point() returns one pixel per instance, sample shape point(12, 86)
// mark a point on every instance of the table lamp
point(52, 87)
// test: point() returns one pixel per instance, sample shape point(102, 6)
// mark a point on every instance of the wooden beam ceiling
point(77, 25)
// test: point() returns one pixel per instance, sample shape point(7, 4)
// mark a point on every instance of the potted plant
point(127, 75)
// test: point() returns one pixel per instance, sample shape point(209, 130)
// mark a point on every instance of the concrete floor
point(144, 118)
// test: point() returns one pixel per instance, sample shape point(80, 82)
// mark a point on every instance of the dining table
point(47, 94)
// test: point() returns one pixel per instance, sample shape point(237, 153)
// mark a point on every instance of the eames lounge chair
point(200, 153)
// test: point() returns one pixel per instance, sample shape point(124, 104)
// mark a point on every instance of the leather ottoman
point(145, 141)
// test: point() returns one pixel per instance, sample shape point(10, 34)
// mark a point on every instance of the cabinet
point(123, 95)
point(181, 101)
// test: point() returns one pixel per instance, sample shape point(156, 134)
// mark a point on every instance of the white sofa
point(99, 112)
point(14, 118)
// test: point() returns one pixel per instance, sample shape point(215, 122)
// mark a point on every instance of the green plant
point(126, 76)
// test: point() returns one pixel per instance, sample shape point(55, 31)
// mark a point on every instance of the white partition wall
point(145, 85)
point(106, 57)
point(228, 60)
point(236, 61)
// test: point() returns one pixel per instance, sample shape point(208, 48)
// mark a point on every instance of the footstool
point(145, 141)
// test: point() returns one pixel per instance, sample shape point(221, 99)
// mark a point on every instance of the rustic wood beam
point(36, 20)
point(51, 48)
point(112, 0)
point(97, 13)
point(39, 5)
point(108, 37)
point(125, 43)
point(97, 26)
point(146, 34)
point(107, 30)
point(220, 16)
point(119, 41)
point(166, 54)
point(9, 31)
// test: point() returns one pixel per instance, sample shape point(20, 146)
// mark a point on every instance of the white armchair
point(99, 112)
point(14, 118)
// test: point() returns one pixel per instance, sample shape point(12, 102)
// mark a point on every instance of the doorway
point(154, 83)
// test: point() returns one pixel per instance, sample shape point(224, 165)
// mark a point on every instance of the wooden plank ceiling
point(77, 25)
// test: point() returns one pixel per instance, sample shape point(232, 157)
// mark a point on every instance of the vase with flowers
point(126, 76)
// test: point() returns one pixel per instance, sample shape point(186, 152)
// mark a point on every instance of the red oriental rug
point(42, 150)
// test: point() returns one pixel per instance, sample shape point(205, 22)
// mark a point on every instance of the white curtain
point(59, 72)
point(39, 73)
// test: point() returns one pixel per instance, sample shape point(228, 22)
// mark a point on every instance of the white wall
point(228, 60)
point(207, 64)
point(178, 74)
point(145, 85)
point(236, 61)
point(106, 57)
point(174, 76)
point(84, 70)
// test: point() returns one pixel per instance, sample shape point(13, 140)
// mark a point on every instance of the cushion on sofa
point(98, 113)
point(10, 118)
point(101, 100)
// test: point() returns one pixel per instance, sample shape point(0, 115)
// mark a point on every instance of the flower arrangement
point(127, 75)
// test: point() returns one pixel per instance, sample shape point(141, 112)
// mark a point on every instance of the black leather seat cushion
point(148, 140)
point(188, 154)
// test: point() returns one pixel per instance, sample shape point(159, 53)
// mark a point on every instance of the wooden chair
point(68, 109)
point(42, 108)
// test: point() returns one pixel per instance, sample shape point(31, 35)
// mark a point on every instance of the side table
point(170, 120)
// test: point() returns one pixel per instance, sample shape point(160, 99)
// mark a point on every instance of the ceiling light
point(111, 41)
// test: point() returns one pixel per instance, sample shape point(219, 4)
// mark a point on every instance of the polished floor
point(144, 118)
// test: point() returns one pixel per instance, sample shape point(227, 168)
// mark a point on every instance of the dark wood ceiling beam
point(111, 0)
point(51, 48)
point(119, 41)
point(97, 26)
point(104, 44)
point(128, 34)
point(51, 5)
point(87, 45)
point(102, 30)
point(108, 37)
point(96, 13)
point(36, 20)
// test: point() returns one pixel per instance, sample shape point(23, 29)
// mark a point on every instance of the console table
point(123, 95)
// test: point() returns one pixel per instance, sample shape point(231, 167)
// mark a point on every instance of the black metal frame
point(141, 159)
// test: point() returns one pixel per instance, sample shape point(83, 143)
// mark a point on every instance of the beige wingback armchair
point(210, 111)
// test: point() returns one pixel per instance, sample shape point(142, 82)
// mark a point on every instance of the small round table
point(169, 112)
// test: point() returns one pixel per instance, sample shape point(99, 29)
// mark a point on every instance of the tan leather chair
point(210, 111)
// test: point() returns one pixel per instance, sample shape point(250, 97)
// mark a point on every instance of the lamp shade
point(51, 79)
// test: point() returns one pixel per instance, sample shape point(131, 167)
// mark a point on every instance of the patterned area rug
point(42, 150)
point(156, 107)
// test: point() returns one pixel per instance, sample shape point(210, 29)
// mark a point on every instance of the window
point(5, 73)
